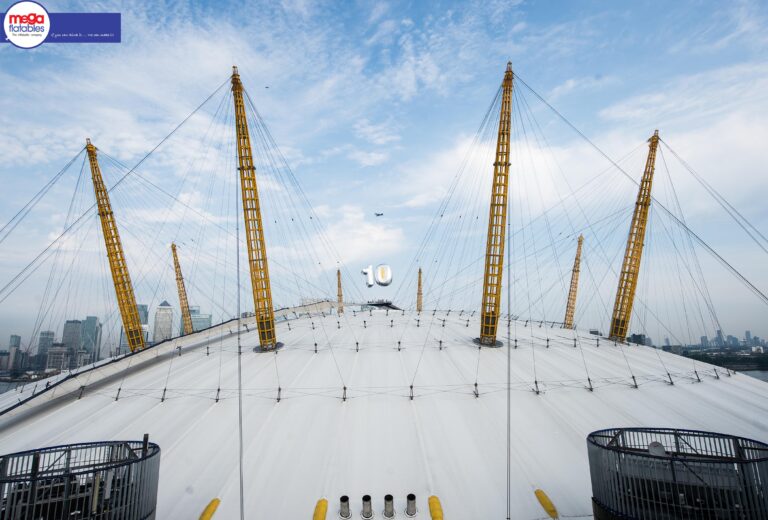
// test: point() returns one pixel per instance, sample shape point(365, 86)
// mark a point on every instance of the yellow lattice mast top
point(126, 300)
point(630, 269)
point(340, 295)
point(570, 309)
point(419, 294)
point(497, 220)
point(186, 317)
point(254, 230)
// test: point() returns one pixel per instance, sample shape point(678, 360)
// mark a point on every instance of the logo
point(382, 275)
point(26, 24)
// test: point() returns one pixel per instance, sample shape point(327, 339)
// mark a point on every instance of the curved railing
point(658, 473)
point(97, 480)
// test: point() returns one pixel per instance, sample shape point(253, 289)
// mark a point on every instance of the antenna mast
point(186, 318)
point(126, 300)
point(254, 231)
point(494, 252)
point(571, 307)
point(630, 269)
point(419, 294)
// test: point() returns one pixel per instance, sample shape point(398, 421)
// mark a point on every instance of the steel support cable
point(440, 228)
point(578, 203)
point(477, 203)
point(194, 210)
point(239, 367)
point(317, 224)
point(735, 272)
point(722, 201)
point(77, 221)
point(524, 110)
point(697, 264)
point(448, 246)
point(703, 293)
point(144, 274)
point(14, 221)
point(435, 221)
point(37, 325)
point(265, 153)
point(678, 257)
point(158, 229)
point(526, 278)
point(701, 282)
point(45, 307)
point(528, 207)
point(435, 229)
point(269, 163)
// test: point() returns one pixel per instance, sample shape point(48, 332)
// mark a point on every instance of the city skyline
point(87, 333)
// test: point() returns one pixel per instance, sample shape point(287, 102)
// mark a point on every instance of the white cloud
point(359, 239)
point(379, 134)
point(579, 84)
point(379, 9)
point(740, 22)
point(365, 158)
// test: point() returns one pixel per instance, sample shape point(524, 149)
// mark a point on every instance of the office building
point(163, 323)
point(143, 313)
point(44, 342)
point(72, 336)
point(199, 321)
point(91, 343)
point(58, 357)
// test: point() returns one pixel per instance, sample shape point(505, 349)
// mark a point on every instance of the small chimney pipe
point(367, 509)
point(410, 506)
point(344, 507)
point(389, 507)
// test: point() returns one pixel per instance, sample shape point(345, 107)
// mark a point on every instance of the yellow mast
point(571, 307)
point(497, 220)
point(630, 269)
point(254, 231)
point(186, 317)
point(126, 300)
point(419, 294)
point(340, 303)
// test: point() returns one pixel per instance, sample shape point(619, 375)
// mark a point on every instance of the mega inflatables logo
point(26, 24)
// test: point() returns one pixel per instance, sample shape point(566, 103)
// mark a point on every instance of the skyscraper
point(44, 342)
point(163, 322)
point(58, 357)
point(199, 321)
point(14, 344)
point(143, 310)
point(92, 337)
point(143, 313)
point(72, 336)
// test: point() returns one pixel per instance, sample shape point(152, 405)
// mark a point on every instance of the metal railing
point(658, 473)
point(99, 480)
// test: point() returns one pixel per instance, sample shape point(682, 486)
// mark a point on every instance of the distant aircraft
point(378, 214)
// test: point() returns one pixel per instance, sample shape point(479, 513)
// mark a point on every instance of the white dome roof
point(444, 441)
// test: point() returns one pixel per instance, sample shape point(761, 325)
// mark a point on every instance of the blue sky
point(373, 103)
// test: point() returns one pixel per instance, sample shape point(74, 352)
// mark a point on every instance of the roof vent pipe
point(367, 509)
point(389, 507)
point(410, 505)
point(344, 511)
